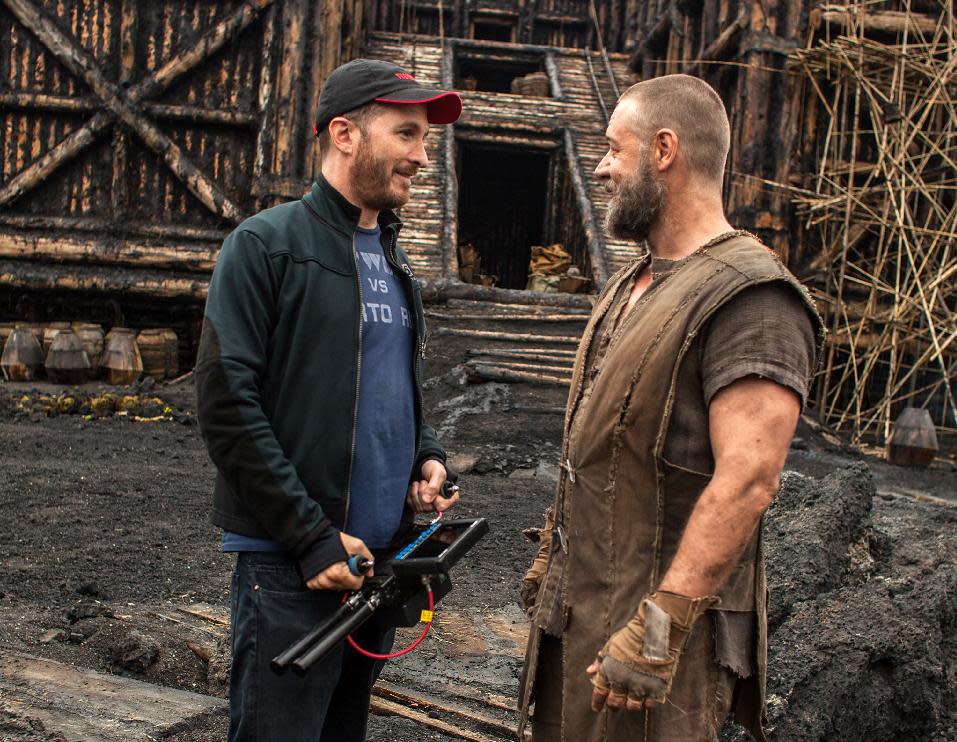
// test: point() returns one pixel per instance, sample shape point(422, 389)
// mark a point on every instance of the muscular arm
point(751, 422)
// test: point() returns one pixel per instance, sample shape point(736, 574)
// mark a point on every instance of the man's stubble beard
point(636, 205)
point(372, 181)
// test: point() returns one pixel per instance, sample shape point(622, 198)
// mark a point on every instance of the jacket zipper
point(420, 341)
point(355, 405)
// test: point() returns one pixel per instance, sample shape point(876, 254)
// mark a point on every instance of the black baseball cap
point(363, 81)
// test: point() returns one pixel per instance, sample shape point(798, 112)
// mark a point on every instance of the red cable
point(393, 655)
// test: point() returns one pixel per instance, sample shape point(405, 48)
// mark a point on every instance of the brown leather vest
point(620, 508)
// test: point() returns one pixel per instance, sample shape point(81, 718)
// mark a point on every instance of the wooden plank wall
point(135, 135)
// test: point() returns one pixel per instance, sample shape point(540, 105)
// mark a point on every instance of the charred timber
point(443, 288)
point(596, 245)
point(93, 224)
point(107, 252)
point(888, 21)
point(39, 277)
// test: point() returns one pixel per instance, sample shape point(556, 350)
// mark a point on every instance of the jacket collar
point(337, 212)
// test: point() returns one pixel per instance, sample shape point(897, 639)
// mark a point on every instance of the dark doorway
point(502, 206)
point(493, 29)
point(492, 74)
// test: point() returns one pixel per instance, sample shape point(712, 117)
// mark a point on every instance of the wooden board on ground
point(88, 705)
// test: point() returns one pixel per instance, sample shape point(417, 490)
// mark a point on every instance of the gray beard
point(635, 208)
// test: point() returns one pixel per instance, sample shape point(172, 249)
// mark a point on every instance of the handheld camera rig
point(403, 591)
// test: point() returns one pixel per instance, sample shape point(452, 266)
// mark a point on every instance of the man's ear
point(665, 149)
point(344, 135)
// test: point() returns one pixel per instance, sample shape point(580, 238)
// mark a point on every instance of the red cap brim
point(441, 108)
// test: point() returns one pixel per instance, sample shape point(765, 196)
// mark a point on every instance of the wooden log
point(198, 115)
point(497, 373)
point(520, 355)
point(94, 224)
point(267, 126)
point(450, 186)
point(511, 337)
point(66, 150)
point(554, 79)
point(449, 316)
point(537, 410)
point(888, 21)
point(32, 276)
point(107, 252)
point(290, 132)
point(442, 289)
point(563, 354)
point(390, 692)
point(46, 102)
point(557, 368)
point(382, 707)
point(527, 309)
point(596, 244)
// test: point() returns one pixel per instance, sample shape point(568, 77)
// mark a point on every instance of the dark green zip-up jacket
point(278, 371)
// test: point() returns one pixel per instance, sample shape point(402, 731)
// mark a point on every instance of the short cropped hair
point(694, 111)
point(360, 116)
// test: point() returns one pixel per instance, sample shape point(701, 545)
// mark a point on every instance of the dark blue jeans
point(271, 608)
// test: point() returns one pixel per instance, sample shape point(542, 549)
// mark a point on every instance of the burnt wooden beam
point(444, 288)
point(594, 86)
point(888, 21)
point(288, 137)
point(83, 137)
point(722, 46)
point(119, 193)
point(40, 277)
point(596, 242)
point(71, 146)
point(554, 79)
point(107, 252)
point(266, 129)
point(107, 226)
point(489, 372)
point(450, 185)
point(65, 104)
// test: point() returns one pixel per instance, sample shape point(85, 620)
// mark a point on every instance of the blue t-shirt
point(385, 426)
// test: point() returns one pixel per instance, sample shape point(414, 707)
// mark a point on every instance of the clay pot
point(121, 361)
point(22, 356)
point(50, 330)
point(91, 336)
point(172, 353)
point(913, 440)
point(153, 351)
point(67, 361)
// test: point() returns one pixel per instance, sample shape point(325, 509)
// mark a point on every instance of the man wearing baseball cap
point(308, 381)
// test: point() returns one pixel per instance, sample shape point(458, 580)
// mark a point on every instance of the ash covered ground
point(106, 538)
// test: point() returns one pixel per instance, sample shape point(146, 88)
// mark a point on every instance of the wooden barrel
point(50, 330)
point(913, 441)
point(172, 353)
point(153, 351)
point(91, 335)
point(22, 357)
point(67, 361)
point(121, 360)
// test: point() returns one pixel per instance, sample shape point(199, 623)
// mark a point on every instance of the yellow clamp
point(426, 616)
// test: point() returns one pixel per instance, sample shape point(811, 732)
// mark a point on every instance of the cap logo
point(404, 76)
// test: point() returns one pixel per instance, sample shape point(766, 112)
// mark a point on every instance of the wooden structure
point(136, 135)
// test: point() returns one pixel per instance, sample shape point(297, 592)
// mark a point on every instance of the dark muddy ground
point(106, 537)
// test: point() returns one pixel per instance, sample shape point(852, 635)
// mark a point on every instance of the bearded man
point(309, 398)
point(647, 597)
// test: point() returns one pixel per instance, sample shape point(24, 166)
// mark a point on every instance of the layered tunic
point(621, 507)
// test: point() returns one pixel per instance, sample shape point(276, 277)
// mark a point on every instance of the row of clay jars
point(67, 361)
point(89, 333)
